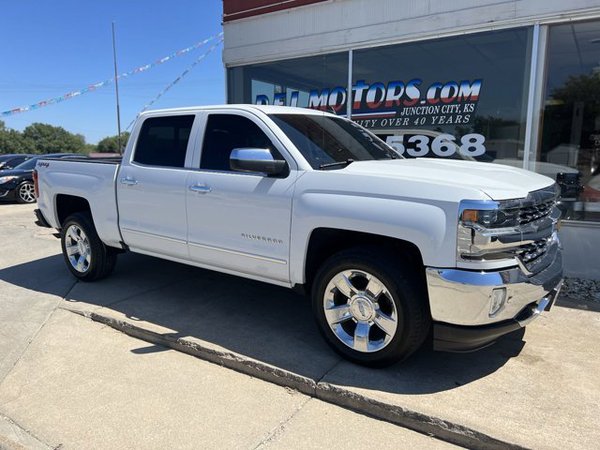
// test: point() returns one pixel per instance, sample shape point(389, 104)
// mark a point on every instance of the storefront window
point(458, 97)
point(570, 145)
point(315, 82)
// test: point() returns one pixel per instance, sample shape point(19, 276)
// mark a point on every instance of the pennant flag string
point(176, 80)
point(104, 83)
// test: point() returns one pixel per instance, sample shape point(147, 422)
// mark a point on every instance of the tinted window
point(28, 165)
point(570, 145)
point(292, 82)
point(471, 87)
point(163, 141)
point(15, 162)
point(325, 140)
point(224, 132)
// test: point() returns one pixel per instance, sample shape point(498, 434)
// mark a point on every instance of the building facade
point(512, 82)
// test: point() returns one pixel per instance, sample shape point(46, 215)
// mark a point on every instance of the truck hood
point(497, 181)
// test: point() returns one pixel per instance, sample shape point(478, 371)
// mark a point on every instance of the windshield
point(27, 165)
point(324, 140)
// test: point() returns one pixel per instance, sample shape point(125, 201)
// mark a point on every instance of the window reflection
point(298, 82)
point(570, 144)
point(470, 92)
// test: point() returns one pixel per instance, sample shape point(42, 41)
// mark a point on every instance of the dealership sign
point(395, 104)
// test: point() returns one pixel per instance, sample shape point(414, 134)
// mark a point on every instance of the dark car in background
point(17, 184)
point(11, 161)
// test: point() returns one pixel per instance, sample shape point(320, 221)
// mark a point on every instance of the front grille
point(531, 213)
point(538, 205)
point(530, 252)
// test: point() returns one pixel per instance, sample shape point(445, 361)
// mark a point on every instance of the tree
point(46, 138)
point(110, 143)
point(89, 148)
point(11, 141)
point(581, 88)
point(576, 100)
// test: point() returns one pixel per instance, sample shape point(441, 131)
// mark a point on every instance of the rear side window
point(163, 141)
point(224, 132)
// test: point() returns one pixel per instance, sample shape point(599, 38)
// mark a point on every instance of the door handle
point(200, 188)
point(129, 181)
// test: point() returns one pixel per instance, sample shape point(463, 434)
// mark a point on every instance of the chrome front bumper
point(459, 338)
point(463, 297)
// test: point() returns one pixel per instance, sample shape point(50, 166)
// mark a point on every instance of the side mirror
point(256, 160)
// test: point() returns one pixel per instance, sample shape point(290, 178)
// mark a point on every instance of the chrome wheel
point(26, 193)
point(78, 249)
point(360, 311)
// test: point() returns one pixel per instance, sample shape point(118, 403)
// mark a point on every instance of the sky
point(50, 48)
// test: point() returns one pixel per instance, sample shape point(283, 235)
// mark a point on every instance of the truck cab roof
point(266, 109)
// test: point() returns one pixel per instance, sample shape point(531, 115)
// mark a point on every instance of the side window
point(224, 132)
point(15, 162)
point(163, 141)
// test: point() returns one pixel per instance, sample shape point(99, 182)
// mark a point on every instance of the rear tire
point(370, 307)
point(86, 256)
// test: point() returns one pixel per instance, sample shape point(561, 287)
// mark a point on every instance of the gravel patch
point(581, 289)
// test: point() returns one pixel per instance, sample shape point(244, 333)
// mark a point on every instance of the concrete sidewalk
point(544, 394)
point(544, 380)
point(83, 385)
point(28, 300)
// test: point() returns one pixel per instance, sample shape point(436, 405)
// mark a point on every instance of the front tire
point(26, 192)
point(86, 256)
point(371, 308)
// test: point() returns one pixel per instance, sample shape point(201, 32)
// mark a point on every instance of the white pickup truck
point(392, 250)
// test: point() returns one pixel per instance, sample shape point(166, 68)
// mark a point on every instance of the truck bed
point(91, 179)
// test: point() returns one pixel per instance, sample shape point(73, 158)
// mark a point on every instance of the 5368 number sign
point(444, 145)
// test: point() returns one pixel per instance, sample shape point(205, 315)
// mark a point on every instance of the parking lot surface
point(82, 385)
point(537, 389)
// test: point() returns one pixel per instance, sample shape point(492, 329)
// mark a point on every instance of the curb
point(422, 423)
point(14, 437)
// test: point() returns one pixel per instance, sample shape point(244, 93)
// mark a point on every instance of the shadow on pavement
point(264, 322)
point(46, 275)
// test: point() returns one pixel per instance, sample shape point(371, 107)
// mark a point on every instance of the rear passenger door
point(240, 221)
point(151, 187)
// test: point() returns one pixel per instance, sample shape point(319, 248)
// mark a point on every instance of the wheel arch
point(65, 205)
point(325, 242)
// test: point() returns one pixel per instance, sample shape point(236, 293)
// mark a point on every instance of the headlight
point(484, 217)
point(478, 213)
point(7, 179)
point(482, 223)
point(503, 214)
point(501, 230)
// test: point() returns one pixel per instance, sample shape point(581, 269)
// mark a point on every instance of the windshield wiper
point(337, 163)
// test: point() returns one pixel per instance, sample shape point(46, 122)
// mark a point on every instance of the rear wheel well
point(325, 242)
point(70, 204)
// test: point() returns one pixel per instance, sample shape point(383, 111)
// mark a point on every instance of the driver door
point(239, 221)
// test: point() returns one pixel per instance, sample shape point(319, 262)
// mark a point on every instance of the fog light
point(497, 300)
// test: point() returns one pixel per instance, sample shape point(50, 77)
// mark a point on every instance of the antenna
point(117, 90)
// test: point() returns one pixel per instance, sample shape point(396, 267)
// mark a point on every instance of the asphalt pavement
point(71, 383)
point(534, 389)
